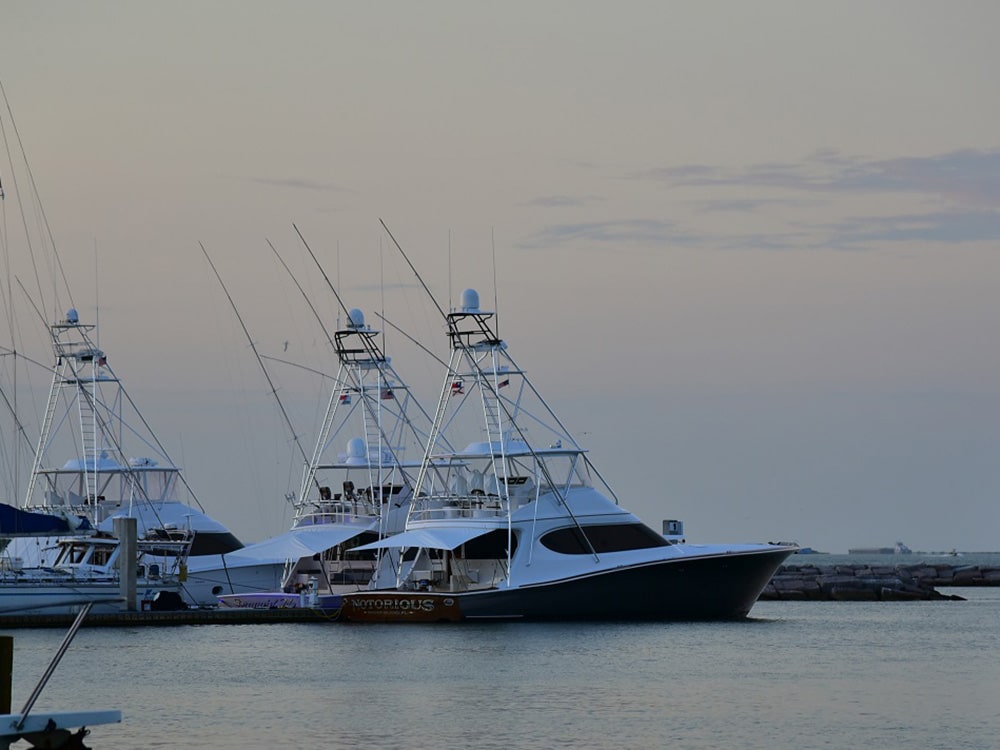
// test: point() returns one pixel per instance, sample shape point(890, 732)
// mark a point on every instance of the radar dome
point(72, 316)
point(356, 448)
point(470, 301)
point(357, 318)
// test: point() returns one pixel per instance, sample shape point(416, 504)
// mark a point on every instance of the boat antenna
point(370, 347)
point(500, 402)
point(304, 368)
point(415, 272)
point(381, 282)
point(412, 340)
point(97, 296)
point(19, 426)
point(31, 302)
point(496, 302)
point(260, 361)
point(38, 203)
point(326, 278)
point(302, 292)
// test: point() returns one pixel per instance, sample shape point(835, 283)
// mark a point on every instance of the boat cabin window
point(73, 553)
point(491, 546)
point(366, 538)
point(616, 537)
point(102, 556)
point(214, 543)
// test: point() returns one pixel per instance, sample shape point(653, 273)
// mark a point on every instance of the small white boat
point(514, 525)
point(88, 568)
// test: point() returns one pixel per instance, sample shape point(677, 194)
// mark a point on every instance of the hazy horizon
point(749, 253)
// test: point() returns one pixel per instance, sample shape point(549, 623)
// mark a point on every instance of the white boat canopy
point(296, 543)
point(441, 537)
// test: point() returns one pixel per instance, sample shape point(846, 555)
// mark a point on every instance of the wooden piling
point(126, 531)
point(6, 672)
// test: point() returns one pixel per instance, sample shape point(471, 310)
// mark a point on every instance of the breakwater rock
point(874, 582)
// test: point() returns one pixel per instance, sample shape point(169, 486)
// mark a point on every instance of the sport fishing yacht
point(348, 499)
point(90, 417)
point(519, 524)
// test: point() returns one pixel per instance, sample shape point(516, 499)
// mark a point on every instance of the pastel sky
point(748, 251)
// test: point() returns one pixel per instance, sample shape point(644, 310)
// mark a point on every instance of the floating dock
point(220, 616)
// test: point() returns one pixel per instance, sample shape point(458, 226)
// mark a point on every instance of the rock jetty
point(874, 582)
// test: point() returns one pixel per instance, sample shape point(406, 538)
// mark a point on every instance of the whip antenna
point(415, 272)
point(260, 361)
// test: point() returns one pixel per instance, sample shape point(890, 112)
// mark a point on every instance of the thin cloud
point(745, 205)
point(943, 227)
point(961, 186)
point(967, 176)
point(561, 201)
point(622, 232)
point(783, 241)
point(299, 183)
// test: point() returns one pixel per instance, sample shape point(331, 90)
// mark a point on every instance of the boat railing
point(451, 507)
point(336, 512)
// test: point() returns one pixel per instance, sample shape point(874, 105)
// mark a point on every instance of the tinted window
point(492, 546)
point(362, 539)
point(615, 537)
point(214, 543)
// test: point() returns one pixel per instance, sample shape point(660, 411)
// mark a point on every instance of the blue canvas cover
point(17, 522)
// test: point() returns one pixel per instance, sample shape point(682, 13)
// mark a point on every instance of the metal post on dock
point(128, 549)
point(6, 672)
point(67, 639)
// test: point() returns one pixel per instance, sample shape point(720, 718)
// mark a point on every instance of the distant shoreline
point(874, 582)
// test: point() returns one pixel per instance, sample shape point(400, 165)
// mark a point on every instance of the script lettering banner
point(398, 606)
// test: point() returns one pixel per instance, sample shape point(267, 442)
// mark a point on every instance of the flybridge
point(461, 338)
point(347, 340)
point(81, 349)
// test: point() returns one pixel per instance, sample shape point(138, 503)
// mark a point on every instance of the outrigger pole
point(457, 341)
point(372, 350)
point(260, 361)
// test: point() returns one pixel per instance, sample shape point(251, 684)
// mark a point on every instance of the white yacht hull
point(67, 598)
point(208, 579)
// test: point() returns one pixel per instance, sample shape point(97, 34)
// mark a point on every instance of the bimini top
point(304, 541)
point(104, 464)
point(439, 537)
point(488, 449)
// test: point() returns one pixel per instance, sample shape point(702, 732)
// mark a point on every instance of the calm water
point(797, 674)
